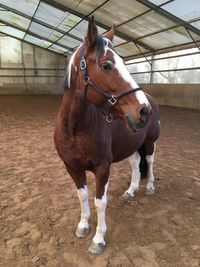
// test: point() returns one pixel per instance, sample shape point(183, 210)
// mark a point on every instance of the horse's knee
point(100, 204)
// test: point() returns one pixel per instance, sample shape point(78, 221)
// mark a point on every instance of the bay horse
point(104, 117)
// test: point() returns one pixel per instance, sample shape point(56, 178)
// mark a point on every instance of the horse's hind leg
point(135, 180)
point(150, 189)
point(80, 181)
point(102, 175)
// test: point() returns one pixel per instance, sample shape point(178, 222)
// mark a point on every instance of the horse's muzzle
point(141, 122)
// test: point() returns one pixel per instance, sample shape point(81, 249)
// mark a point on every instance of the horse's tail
point(143, 162)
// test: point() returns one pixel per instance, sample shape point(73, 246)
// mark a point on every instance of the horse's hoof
point(82, 232)
point(127, 195)
point(150, 191)
point(96, 248)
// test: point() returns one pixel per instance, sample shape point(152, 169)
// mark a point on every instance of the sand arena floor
point(39, 209)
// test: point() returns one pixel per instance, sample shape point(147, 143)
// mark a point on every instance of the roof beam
point(118, 33)
point(170, 16)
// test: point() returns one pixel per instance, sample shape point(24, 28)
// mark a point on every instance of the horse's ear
point(110, 34)
point(92, 33)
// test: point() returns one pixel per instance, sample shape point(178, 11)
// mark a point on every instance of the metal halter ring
point(108, 117)
point(83, 64)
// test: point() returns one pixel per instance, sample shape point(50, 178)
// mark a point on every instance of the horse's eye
point(107, 66)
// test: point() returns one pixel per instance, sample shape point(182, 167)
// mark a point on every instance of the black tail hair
point(143, 162)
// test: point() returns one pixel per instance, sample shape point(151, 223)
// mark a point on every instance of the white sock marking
point(135, 181)
point(85, 209)
point(101, 222)
point(150, 175)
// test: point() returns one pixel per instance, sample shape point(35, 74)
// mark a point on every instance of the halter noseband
point(111, 99)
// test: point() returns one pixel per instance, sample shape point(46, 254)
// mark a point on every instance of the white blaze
point(120, 66)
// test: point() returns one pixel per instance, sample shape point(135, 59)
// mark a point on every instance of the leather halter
point(111, 99)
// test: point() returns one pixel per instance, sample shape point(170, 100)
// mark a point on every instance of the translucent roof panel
point(11, 31)
point(85, 7)
point(68, 41)
point(56, 17)
point(127, 49)
point(144, 25)
point(14, 19)
point(32, 39)
point(184, 9)
point(196, 24)
point(45, 32)
point(169, 38)
point(81, 29)
point(69, 22)
point(46, 44)
point(118, 41)
point(58, 49)
point(24, 6)
point(159, 2)
point(118, 11)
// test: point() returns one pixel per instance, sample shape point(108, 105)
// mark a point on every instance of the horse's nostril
point(144, 113)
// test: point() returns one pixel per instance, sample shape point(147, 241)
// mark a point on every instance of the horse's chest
point(85, 150)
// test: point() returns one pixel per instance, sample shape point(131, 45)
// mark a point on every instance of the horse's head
point(104, 78)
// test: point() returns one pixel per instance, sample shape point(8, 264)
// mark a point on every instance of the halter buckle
point(83, 64)
point(112, 100)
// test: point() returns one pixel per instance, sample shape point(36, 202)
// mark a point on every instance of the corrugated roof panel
point(169, 38)
point(144, 25)
point(184, 9)
point(32, 39)
point(51, 15)
point(69, 22)
point(27, 7)
point(45, 32)
point(84, 7)
point(196, 24)
point(46, 44)
point(58, 49)
point(11, 31)
point(158, 2)
point(127, 49)
point(14, 19)
point(117, 11)
point(118, 40)
point(81, 29)
point(68, 41)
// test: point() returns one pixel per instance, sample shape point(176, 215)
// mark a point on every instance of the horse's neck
point(75, 113)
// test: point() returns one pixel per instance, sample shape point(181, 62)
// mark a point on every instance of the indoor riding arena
point(159, 43)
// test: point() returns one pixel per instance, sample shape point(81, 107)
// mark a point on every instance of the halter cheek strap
point(111, 99)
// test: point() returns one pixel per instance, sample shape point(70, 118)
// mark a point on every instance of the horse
point(104, 118)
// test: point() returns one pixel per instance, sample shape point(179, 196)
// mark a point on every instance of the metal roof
point(143, 27)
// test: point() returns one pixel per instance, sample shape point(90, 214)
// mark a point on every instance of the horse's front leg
point(80, 181)
point(102, 175)
point(135, 180)
point(150, 189)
